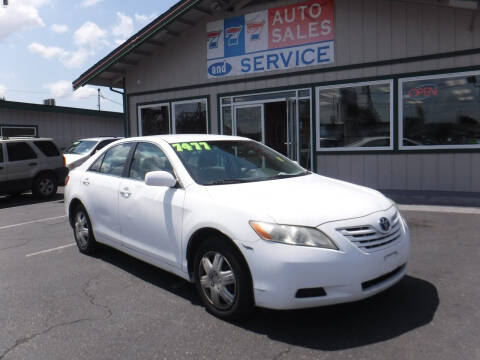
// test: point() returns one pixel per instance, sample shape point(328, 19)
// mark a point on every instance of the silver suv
point(30, 163)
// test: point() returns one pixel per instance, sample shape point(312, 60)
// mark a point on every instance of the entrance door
point(249, 122)
point(273, 122)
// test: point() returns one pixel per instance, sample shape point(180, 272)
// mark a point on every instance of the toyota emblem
point(385, 224)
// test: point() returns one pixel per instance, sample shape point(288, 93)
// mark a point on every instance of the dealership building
point(382, 93)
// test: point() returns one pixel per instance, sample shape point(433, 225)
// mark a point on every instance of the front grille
point(371, 283)
point(368, 239)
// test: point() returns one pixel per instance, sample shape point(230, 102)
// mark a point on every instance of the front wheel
point(82, 230)
point(222, 280)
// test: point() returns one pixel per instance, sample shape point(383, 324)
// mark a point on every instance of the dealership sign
point(275, 39)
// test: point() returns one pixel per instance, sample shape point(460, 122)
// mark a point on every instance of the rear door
point(100, 186)
point(22, 162)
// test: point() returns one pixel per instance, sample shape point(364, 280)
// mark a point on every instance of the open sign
point(423, 92)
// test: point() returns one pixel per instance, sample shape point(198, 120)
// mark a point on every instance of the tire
point(44, 186)
point(222, 279)
point(83, 231)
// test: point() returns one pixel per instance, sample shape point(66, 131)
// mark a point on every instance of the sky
point(46, 44)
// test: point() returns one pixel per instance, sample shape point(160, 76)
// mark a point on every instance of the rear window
point(48, 148)
point(18, 151)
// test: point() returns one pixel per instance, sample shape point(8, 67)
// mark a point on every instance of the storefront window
point(355, 116)
point(155, 120)
point(190, 117)
point(440, 111)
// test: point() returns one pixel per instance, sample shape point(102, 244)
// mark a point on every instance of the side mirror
point(160, 178)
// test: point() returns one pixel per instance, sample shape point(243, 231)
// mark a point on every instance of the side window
point(148, 157)
point(97, 164)
point(48, 148)
point(115, 160)
point(18, 151)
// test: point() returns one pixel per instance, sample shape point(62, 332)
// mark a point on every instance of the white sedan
point(245, 224)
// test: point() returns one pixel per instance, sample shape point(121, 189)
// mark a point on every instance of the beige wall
point(64, 128)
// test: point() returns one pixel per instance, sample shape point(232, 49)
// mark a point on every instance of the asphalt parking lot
point(59, 304)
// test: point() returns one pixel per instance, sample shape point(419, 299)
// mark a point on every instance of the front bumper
point(279, 271)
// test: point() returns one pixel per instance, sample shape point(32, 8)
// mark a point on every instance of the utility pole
point(99, 99)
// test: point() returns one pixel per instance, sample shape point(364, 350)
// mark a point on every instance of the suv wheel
point(82, 231)
point(222, 280)
point(44, 186)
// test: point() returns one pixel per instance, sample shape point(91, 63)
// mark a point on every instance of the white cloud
point(59, 89)
point(142, 18)
point(59, 29)
point(84, 93)
point(3, 90)
point(70, 59)
point(19, 16)
point(47, 52)
point(91, 35)
point(76, 59)
point(124, 28)
point(63, 89)
point(87, 3)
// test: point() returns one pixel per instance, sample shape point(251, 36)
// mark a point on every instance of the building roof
point(111, 70)
point(57, 109)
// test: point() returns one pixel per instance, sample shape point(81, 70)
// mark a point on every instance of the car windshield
point(81, 147)
point(233, 162)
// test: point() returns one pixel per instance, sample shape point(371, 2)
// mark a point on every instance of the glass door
point(249, 121)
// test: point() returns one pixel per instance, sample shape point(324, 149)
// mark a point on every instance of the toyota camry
point(246, 225)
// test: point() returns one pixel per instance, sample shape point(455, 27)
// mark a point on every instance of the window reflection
point(356, 116)
point(191, 117)
point(442, 111)
point(155, 120)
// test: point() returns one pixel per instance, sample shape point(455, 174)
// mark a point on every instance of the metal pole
point(99, 99)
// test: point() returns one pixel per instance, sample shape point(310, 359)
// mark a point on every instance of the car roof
point(171, 139)
point(100, 138)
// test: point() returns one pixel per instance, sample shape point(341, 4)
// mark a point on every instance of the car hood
point(309, 200)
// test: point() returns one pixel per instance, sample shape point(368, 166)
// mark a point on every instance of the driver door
point(150, 216)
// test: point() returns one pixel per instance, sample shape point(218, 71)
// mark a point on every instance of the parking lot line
point(32, 222)
point(50, 250)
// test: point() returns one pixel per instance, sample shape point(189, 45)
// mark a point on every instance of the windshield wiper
point(286, 176)
point(227, 181)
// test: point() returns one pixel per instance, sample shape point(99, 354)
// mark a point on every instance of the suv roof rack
point(19, 137)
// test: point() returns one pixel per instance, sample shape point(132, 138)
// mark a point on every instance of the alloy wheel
point(217, 280)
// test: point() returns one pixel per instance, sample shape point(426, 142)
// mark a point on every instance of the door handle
point(86, 182)
point(125, 192)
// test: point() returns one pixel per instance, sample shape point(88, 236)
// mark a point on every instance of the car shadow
point(408, 305)
point(7, 202)
point(148, 273)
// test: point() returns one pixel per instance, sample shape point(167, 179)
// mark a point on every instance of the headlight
point(292, 235)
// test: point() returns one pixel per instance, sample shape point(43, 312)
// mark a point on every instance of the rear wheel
point(44, 186)
point(82, 230)
point(222, 279)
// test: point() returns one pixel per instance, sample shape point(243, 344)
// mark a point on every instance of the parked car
point(31, 163)
point(247, 225)
point(77, 153)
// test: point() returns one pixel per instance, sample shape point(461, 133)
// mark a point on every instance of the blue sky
point(46, 44)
